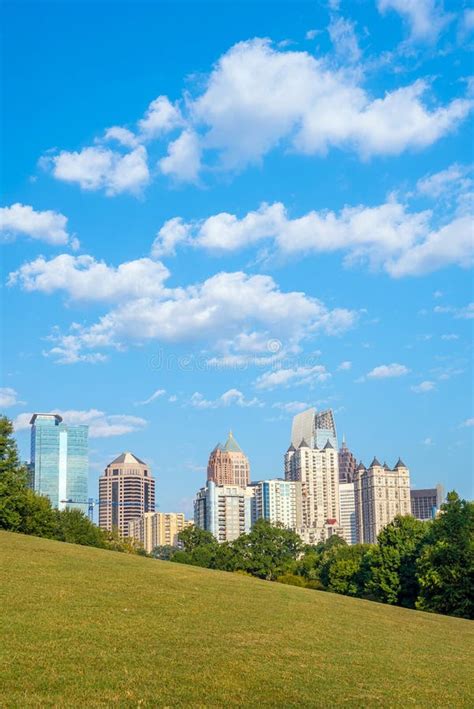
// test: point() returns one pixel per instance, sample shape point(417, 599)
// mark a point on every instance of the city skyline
point(178, 263)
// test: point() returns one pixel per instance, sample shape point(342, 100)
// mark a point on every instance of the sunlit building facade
point(228, 464)
point(224, 510)
point(126, 491)
point(156, 529)
point(348, 513)
point(278, 501)
point(426, 503)
point(316, 428)
point(59, 461)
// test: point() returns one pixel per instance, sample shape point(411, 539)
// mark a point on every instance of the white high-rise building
point(278, 501)
point(314, 428)
point(380, 495)
point(224, 510)
point(348, 513)
point(318, 472)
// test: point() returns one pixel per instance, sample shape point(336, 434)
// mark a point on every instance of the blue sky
point(217, 214)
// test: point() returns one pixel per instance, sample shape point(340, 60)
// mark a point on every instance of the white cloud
point(423, 387)
point(257, 98)
point(438, 294)
point(427, 442)
point(23, 220)
point(294, 376)
point(426, 18)
point(453, 179)
point(344, 366)
point(122, 135)
point(183, 161)
point(247, 309)
point(9, 397)
point(344, 39)
point(311, 34)
point(450, 336)
point(160, 118)
point(228, 398)
point(291, 407)
point(387, 235)
point(388, 370)
point(451, 245)
point(101, 425)
point(468, 423)
point(464, 313)
point(173, 232)
point(96, 168)
point(156, 395)
point(84, 278)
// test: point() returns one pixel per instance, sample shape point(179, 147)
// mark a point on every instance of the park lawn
point(87, 627)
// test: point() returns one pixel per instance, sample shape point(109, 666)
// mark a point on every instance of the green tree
point(268, 551)
point(13, 480)
point(193, 537)
point(164, 552)
point(446, 564)
point(392, 562)
point(342, 569)
point(76, 528)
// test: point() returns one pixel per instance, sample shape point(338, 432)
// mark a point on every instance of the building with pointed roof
point(228, 464)
point(126, 491)
point(314, 427)
point(380, 495)
point(347, 463)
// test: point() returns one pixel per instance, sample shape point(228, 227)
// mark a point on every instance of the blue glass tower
point(59, 461)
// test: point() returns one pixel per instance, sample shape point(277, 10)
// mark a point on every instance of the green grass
point(86, 627)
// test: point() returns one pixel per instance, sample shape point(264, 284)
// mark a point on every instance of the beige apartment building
point(228, 464)
point(126, 491)
point(380, 495)
point(156, 529)
point(317, 470)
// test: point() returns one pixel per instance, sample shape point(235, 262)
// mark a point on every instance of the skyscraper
point(278, 501)
point(126, 491)
point(348, 513)
point(314, 428)
point(228, 464)
point(425, 503)
point(380, 495)
point(224, 510)
point(347, 463)
point(59, 461)
point(318, 472)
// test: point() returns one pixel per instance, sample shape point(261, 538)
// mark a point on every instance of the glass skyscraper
point(59, 461)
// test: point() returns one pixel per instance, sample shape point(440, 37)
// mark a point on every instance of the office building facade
point(278, 501)
point(347, 463)
point(59, 461)
point(426, 503)
point(347, 512)
point(315, 428)
point(224, 510)
point(380, 495)
point(228, 464)
point(156, 529)
point(126, 491)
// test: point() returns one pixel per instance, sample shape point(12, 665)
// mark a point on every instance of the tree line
point(428, 566)
point(424, 565)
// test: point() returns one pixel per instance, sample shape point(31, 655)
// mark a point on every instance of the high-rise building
point(380, 495)
point(347, 463)
point(228, 464)
point(314, 428)
point(317, 471)
point(126, 491)
point(348, 513)
point(59, 461)
point(156, 529)
point(278, 501)
point(224, 510)
point(426, 503)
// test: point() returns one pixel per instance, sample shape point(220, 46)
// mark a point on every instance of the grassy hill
point(86, 627)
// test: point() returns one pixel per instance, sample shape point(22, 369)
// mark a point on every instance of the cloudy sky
point(218, 214)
